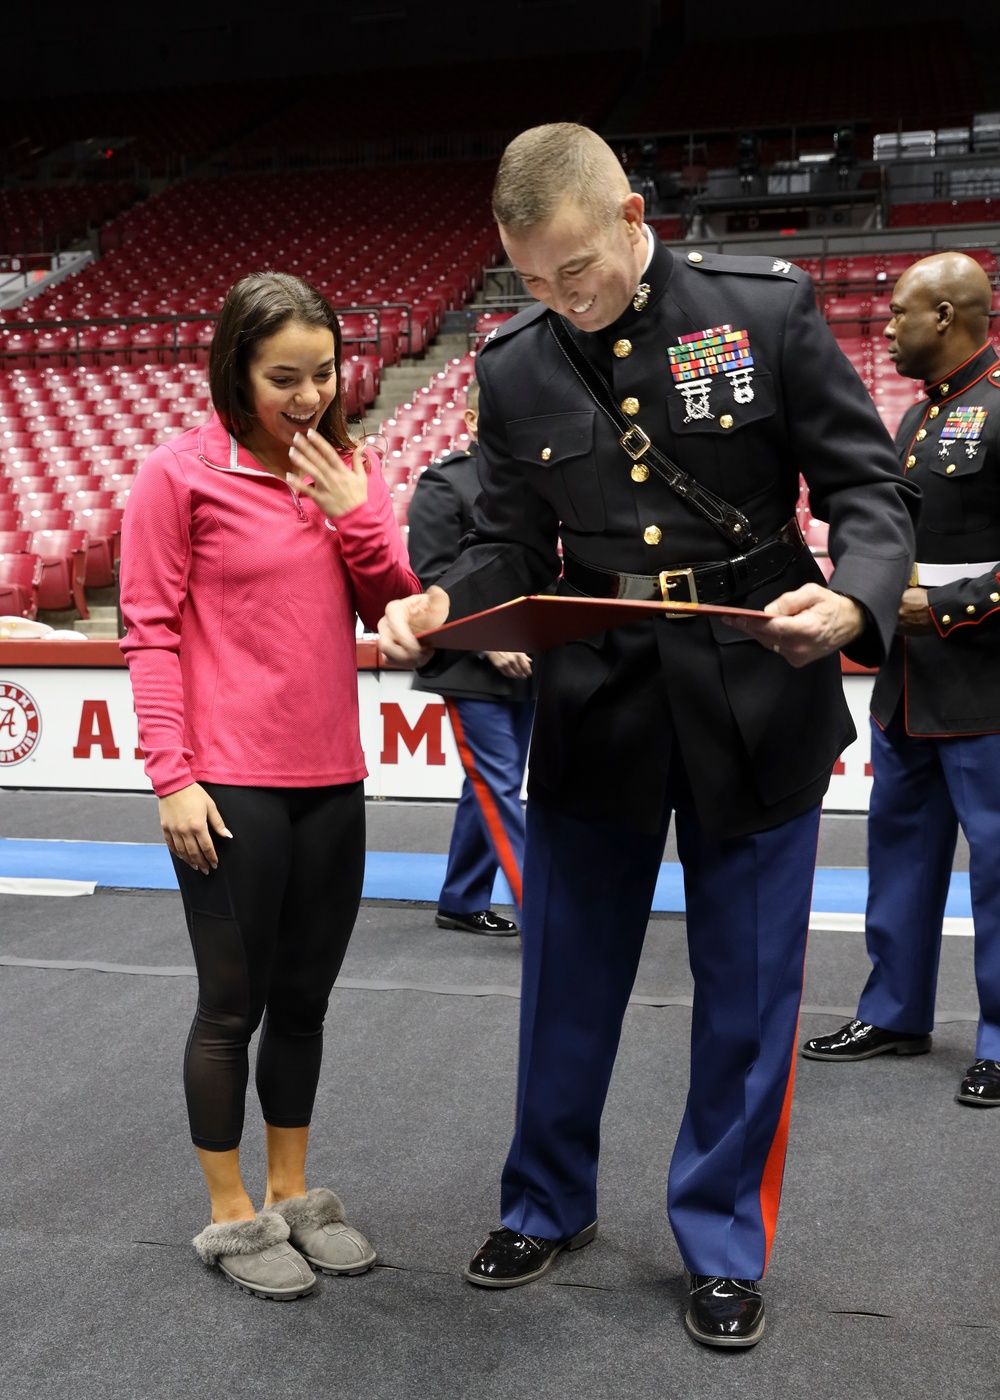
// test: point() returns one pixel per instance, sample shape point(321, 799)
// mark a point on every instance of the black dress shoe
point(725, 1312)
point(981, 1085)
point(860, 1041)
point(485, 921)
point(507, 1258)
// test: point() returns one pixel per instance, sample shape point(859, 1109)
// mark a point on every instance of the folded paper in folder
point(538, 622)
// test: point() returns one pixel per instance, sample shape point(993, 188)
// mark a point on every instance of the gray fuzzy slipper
point(257, 1256)
point(316, 1227)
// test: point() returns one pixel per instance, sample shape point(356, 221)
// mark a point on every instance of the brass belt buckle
point(635, 442)
point(669, 579)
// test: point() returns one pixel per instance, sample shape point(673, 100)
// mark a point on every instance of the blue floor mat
point(389, 875)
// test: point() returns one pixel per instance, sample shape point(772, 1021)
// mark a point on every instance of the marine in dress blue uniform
point(670, 717)
point(936, 701)
point(490, 714)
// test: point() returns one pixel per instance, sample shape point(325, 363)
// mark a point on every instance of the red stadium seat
point(64, 558)
point(20, 578)
point(88, 500)
point(45, 518)
point(103, 528)
point(15, 541)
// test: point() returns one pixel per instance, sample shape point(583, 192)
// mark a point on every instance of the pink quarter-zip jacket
point(240, 597)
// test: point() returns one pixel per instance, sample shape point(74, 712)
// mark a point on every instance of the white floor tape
point(10, 884)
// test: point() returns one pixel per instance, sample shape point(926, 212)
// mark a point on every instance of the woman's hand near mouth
point(336, 487)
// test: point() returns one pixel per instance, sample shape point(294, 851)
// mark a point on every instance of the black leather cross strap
point(721, 581)
point(727, 519)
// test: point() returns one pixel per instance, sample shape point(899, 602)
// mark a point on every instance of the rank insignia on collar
point(641, 299)
point(703, 354)
point(781, 265)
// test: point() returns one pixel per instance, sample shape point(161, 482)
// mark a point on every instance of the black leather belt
point(721, 581)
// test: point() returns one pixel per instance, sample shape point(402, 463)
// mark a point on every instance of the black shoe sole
point(711, 1340)
point(977, 1102)
point(576, 1242)
point(897, 1047)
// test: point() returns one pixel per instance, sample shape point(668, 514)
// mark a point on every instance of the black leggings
point(269, 929)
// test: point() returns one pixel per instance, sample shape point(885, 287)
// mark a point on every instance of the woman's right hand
point(187, 819)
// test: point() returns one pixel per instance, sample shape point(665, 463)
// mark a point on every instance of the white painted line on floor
point(855, 923)
point(62, 889)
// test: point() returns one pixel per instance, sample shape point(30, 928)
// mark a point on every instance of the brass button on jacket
point(640, 472)
point(546, 453)
point(652, 534)
point(622, 349)
point(630, 406)
point(726, 421)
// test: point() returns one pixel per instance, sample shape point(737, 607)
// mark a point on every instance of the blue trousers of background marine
point(587, 895)
point(492, 738)
point(923, 790)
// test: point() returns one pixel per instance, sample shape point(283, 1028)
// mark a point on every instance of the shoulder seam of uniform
point(736, 263)
point(526, 317)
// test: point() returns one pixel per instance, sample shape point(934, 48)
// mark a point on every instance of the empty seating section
point(901, 76)
point(495, 97)
point(46, 219)
point(410, 243)
point(71, 441)
point(187, 123)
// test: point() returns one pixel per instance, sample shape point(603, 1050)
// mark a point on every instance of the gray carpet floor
point(883, 1280)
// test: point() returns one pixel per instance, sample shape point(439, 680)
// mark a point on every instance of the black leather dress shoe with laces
point(859, 1040)
point(507, 1259)
point(725, 1312)
point(981, 1085)
point(483, 921)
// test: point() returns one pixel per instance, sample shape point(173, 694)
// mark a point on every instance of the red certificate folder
point(539, 622)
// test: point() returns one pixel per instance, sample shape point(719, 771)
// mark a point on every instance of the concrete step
point(102, 623)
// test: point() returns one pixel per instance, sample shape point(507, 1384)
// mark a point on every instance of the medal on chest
point(702, 355)
point(962, 425)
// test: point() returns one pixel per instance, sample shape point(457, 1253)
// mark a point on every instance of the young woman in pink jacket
point(249, 546)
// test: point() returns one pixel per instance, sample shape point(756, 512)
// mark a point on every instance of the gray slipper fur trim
point(240, 1236)
point(312, 1211)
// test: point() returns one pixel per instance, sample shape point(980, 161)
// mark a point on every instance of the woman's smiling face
point(291, 382)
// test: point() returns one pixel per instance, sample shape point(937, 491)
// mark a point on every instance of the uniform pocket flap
point(957, 463)
point(551, 439)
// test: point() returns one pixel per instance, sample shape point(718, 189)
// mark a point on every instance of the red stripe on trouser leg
point(774, 1167)
point(491, 814)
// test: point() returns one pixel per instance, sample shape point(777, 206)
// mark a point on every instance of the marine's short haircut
point(256, 307)
point(472, 395)
point(546, 163)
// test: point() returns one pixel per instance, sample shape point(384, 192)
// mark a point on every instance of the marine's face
point(913, 332)
point(587, 274)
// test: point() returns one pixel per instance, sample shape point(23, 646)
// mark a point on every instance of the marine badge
point(641, 299)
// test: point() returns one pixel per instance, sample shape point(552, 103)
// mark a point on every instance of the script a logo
point(20, 724)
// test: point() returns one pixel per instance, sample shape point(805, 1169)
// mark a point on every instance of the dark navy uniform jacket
point(440, 515)
point(757, 737)
point(950, 446)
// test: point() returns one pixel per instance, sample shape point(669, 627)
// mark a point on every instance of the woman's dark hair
point(256, 307)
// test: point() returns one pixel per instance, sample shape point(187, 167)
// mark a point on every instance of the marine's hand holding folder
point(405, 621)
